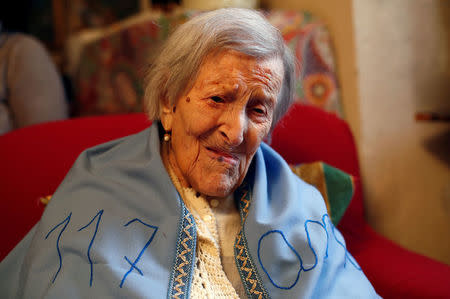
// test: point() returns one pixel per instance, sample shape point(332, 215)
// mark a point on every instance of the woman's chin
point(216, 191)
point(217, 188)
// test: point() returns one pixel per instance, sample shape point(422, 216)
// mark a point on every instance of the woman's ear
point(167, 116)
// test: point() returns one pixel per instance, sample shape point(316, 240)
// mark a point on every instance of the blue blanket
point(117, 228)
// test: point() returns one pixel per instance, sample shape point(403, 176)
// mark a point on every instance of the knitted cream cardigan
point(218, 222)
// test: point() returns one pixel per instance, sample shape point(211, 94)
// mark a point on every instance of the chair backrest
point(34, 160)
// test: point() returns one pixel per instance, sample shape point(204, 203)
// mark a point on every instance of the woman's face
point(219, 124)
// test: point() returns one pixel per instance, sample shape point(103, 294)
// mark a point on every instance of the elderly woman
point(196, 205)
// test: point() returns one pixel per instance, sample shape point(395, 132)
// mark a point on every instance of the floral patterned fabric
point(109, 76)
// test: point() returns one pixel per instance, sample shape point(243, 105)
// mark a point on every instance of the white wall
point(402, 52)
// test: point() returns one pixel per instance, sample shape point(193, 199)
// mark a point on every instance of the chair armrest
point(35, 159)
point(396, 272)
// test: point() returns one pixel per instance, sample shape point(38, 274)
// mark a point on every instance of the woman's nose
point(233, 127)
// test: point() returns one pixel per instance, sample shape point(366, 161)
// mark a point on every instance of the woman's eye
point(217, 99)
point(259, 111)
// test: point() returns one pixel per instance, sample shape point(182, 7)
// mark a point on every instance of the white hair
point(175, 69)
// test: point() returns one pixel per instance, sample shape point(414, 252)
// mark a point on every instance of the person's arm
point(35, 90)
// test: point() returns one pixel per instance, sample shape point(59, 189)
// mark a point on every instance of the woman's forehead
point(232, 67)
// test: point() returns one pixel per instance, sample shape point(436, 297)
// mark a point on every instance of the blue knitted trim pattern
point(247, 270)
point(183, 268)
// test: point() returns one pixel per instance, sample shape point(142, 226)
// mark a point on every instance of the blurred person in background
point(31, 90)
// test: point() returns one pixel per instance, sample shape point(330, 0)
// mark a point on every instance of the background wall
point(403, 53)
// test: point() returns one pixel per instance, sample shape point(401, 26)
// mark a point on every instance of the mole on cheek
point(188, 99)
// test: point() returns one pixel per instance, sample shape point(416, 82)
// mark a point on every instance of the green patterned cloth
point(336, 186)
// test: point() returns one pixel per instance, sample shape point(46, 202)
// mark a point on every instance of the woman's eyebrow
point(216, 80)
point(263, 98)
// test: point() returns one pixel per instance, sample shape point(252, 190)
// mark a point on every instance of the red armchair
point(35, 159)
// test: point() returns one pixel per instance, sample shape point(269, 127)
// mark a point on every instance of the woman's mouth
point(222, 156)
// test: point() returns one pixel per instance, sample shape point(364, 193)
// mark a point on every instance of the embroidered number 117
point(97, 220)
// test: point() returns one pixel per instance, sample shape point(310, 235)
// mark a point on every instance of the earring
point(166, 137)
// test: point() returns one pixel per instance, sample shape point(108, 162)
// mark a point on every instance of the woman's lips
point(223, 156)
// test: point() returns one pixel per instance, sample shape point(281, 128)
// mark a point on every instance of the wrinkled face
point(219, 124)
